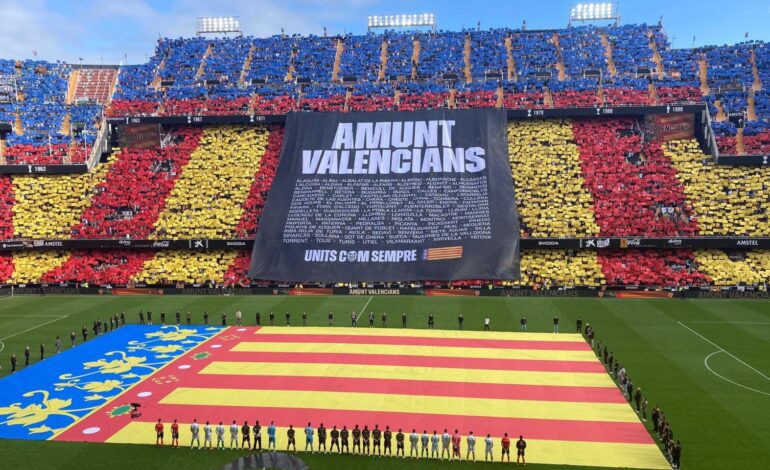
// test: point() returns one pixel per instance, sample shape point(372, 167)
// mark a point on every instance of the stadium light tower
point(218, 25)
point(605, 11)
point(402, 21)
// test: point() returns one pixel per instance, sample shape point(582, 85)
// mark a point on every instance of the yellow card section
point(395, 403)
point(593, 454)
point(420, 333)
point(439, 374)
point(411, 350)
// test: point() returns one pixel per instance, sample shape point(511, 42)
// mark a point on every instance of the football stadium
point(410, 239)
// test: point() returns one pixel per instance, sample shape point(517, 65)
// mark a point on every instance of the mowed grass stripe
point(437, 374)
point(388, 403)
point(410, 350)
point(420, 333)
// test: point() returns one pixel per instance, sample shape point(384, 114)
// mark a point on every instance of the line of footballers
point(365, 441)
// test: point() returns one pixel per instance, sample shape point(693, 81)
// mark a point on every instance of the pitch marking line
point(723, 350)
point(362, 310)
point(35, 327)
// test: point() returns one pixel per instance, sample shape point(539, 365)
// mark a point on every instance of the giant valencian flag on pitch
point(550, 388)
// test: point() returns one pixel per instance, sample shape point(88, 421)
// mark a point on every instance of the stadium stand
point(548, 182)
point(726, 200)
point(208, 197)
point(573, 178)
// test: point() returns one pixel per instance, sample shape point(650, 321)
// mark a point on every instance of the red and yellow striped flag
point(448, 252)
point(549, 388)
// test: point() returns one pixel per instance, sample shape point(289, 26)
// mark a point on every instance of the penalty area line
point(362, 310)
point(34, 327)
point(720, 349)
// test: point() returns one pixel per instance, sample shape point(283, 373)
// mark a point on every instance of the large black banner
point(390, 195)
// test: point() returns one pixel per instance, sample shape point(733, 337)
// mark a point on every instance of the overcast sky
point(114, 31)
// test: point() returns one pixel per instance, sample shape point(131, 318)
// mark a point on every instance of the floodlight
point(400, 21)
point(221, 24)
point(594, 12)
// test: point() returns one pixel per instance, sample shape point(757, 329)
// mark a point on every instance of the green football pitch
point(705, 363)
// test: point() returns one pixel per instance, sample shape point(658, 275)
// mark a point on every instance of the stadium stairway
point(703, 68)
point(202, 64)
point(18, 128)
point(246, 65)
point(2, 152)
point(560, 67)
point(467, 59)
point(757, 84)
point(608, 55)
point(509, 60)
point(383, 61)
point(340, 47)
point(751, 110)
point(72, 86)
point(415, 56)
point(653, 93)
point(656, 58)
point(740, 146)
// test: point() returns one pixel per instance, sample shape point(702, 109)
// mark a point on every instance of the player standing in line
point(486, 323)
point(258, 318)
point(371, 324)
point(353, 319)
point(387, 437)
point(470, 443)
point(413, 452)
point(309, 437)
point(271, 436)
point(400, 443)
point(194, 430)
point(141, 317)
point(149, 317)
point(356, 439)
point(188, 317)
point(272, 318)
point(523, 324)
point(178, 317)
point(163, 318)
point(521, 446)
point(384, 319)
point(430, 321)
point(159, 434)
point(304, 318)
point(238, 317)
point(460, 320)
point(556, 324)
point(245, 435)
point(445, 440)
point(403, 320)
point(321, 437)
point(58, 344)
point(220, 436)
point(376, 440)
point(234, 435)
point(224, 319)
point(175, 434)
point(205, 317)
point(456, 439)
point(257, 429)
point(290, 435)
point(489, 444)
point(579, 325)
point(365, 437)
point(207, 436)
point(331, 319)
point(434, 445)
point(335, 435)
point(506, 445)
point(344, 435)
point(424, 441)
